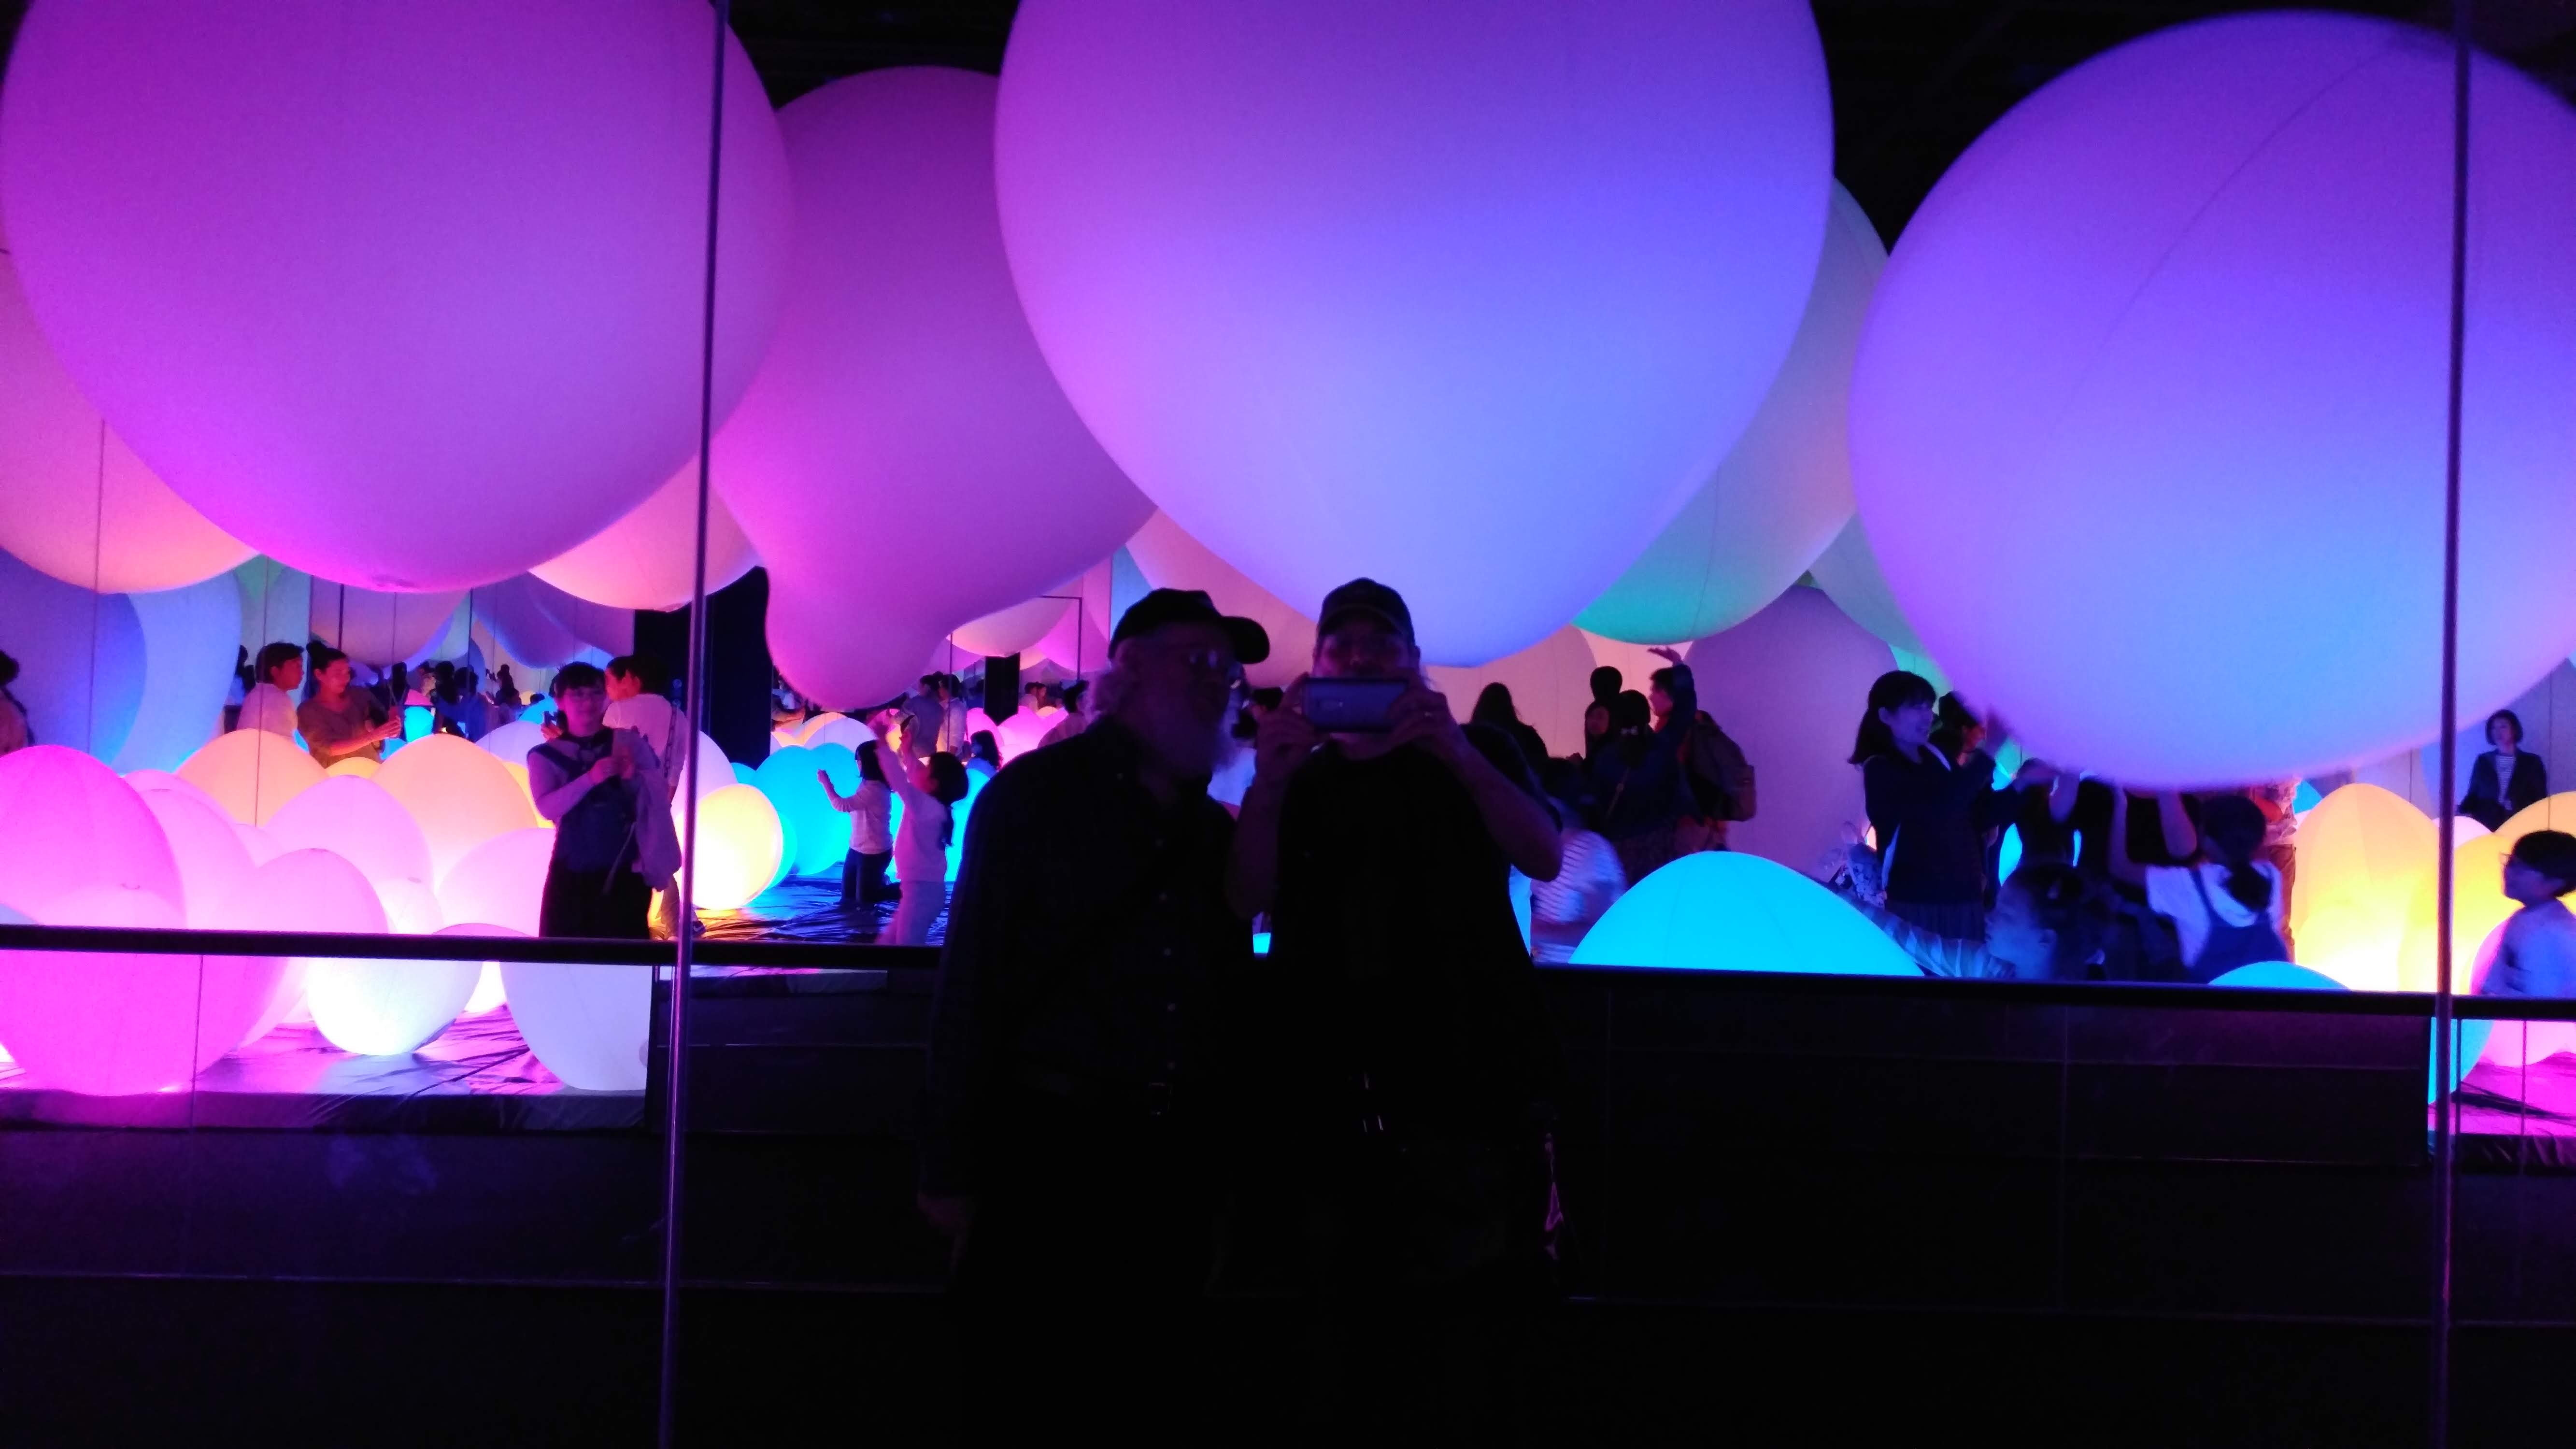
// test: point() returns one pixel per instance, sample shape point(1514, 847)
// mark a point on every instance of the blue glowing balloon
point(1728, 911)
point(2278, 976)
point(818, 834)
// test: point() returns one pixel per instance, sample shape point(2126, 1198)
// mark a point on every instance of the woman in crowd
point(1639, 783)
point(863, 874)
point(270, 704)
point(1495, 710)
point(984, 755)
point(930, 788)
point(1931, 814)
point(505, 693)
point(2226, 907)
point(1596, 730)
point(603, 789)
point(340, 722)
point(2505, 779)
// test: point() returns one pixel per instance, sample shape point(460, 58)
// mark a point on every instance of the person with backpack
point(1713, 768)
point(2227, 907)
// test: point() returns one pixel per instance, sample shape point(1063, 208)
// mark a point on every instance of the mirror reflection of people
point(2506, 779)
point(1077, 1103)
point(1931, 812)
point(2227, 906)
point(2537, 956)
point(277, 671)
point(870, 808)
point(604, 791)
point(340, 722)
point(929, 784)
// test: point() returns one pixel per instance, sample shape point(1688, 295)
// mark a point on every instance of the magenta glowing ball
point(1503, 281)
point(1783, 493)
point(112, 1024)
point(405, 295)
point(74, 500)
point(2118, 364)
point(648, 559)
point(68, 825)
point(904, 419)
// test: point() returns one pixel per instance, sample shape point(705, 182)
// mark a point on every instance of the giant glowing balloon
point(528, 633)
point(1352, 288)
point(1789, 685)
point(1726, 911)
point(189, 636)
point(2116, 361)
point(411, 295)
point(379, 628)
point(648, 559)
point(460, 795)
point(251, 773)
point(68, 824)
point(1008, 631)
point(1550, 685)
point(1171, 559)
point(80, 658)
point(112, 1024)
point(2363, 855)
point(74, 500)
point(821, 833)
point(739, 847)
point(1850, 576)
point(501, 882)
point(1784, 493)
point(588, 1024)
point(904, 417)
point(609, 630)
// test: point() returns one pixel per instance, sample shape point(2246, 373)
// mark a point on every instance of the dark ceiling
point(1914, 80)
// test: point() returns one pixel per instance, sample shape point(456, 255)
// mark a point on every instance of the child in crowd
point(2049, 923)
point(863, 874)
point(2538, 954)
point(2227, 907)
point(930, 787)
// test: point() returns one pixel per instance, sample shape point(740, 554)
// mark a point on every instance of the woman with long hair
point(930, 787)
point(1931, 814)
point(870, 807)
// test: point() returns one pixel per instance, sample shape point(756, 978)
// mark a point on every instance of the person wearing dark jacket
point(1931, 816)
point(2506, 779)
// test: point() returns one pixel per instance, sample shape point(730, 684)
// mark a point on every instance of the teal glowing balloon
point(1728, 911)
point(818, 834)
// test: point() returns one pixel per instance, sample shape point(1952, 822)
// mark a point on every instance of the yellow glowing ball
point(740, 846)
point(2363, 853)
point(251, 773)
point(461, 796)
point(362, 766)
point(2478, 903)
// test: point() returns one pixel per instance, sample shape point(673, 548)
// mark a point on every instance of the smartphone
point(555, 717)
point(1353, 706)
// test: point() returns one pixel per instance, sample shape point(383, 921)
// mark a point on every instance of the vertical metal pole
point(2445, 1123)
point(676, 1125)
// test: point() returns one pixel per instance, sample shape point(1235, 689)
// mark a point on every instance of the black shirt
point(1086, 938)
point(1936, 816)
point(1394, 953)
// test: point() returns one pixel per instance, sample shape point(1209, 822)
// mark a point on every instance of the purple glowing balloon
point(904, 462)
point(407, 295)
point(68, 824)
point(1465, 297)
point(2149, 421)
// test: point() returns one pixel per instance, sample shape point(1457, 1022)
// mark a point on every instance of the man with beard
point(1068, 1148)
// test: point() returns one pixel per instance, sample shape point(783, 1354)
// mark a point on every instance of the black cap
point(1366, 596)
point(1191, 606)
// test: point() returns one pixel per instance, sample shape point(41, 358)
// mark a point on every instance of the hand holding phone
point(1353, 706)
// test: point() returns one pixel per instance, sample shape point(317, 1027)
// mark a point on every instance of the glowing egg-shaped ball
point(709, 770)
point(68, 824)
point(148, 781)
point(360, 766)
point(359, 822)
point(502, 882)
point(214, 865)
point(1726, 911)
point(74, 500)
point(1788, 685)
point(587, 1023)
point(80, 658)
point(189, 636)
point(386, 1008)
point(648, 559)
point(2278, 976)
point(409, 296)
point(460, 796)
point(739, 847)
point(2363, 854)
point(251, 773)
point(903, 359)
point(1170, 559)
point(1850, 576)
point(821, 833)
point(1549, 681)
point(2478, 908)
point(308, 890)
point(2075, 363)
point(1307, 265)
point(1784, 493)
point(374, 627)
point(1008, 631)
point(112, 1024)
point(511, 742)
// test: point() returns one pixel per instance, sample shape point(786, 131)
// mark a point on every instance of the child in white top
point(2538, 954)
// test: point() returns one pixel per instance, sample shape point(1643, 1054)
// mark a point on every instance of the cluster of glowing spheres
point(903, 359)
point(648, 559)
point(460, 796)
point(2107, 343)
point(409, 296)
point(1784, 493)
point(1726, 911)
point(1305, 265)
point(740, 847)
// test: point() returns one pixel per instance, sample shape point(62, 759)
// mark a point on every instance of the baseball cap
point(1366, 596)
point(1191, 606)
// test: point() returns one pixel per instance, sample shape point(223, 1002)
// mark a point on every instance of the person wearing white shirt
point(2227, 908)
point(270, 704)
point(632, 705)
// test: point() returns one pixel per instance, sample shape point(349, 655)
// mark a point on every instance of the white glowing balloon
point(148, 781)
point(1008, 631)
point(511, 742)
point(1550, 685)
point(501, 882)
point(74, 500)
point(188, 644)
point(1303, 266)
point(68, 825)
point(1784, 492)
point(903, 360)
point(1726, 911)
point(307, 890)
point(490, 992)
point(114, 1024)
point(379, 628)
point(386, 1008)
point(1789, 686)
point(214, 864)
point(359, 822)
point(739, 847)
point(2116, 361)
point(80, 657)
point(588, 1024)
point(1849, 574)
point(409, 295)
point(459, 795)
point(648, 559)
point(1171, 559)
point(251, 773)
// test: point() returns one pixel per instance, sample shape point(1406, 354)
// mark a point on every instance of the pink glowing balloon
point(904, 420)
point(74, 500)
point(214, 864)
point(307, 890)
point(407, 295)
point(1357, 288)
point(648, 559)
point(379, 628)
point(2117, 361)
point(68, 824)
point(109, 1024)
point(1171, 559)
point(1788, 685)
point(1008, 631)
